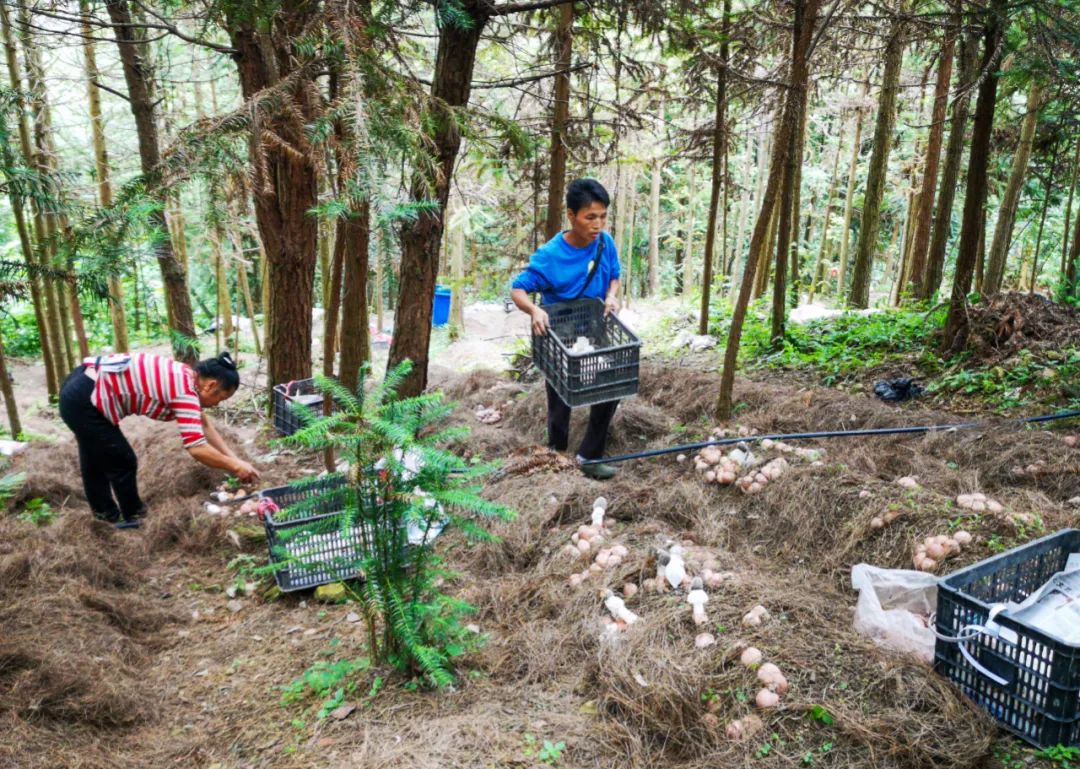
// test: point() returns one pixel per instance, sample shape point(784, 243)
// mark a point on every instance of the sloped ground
point(119, 649)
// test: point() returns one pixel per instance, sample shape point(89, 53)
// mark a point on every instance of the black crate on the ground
point(312, 527)
point(608, 373)
point(302, 391)
point(1038, 694)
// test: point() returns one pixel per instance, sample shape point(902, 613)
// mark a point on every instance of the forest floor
point(123, 649)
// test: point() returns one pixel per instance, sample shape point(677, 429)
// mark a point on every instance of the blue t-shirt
point(558, 270)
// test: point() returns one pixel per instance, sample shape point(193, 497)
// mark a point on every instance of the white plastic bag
point(893, 608)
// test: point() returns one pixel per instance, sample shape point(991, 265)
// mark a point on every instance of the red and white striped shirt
point(149, 385)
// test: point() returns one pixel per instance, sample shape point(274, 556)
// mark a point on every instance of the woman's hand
point(540, 321)
point(245, 471)
point(611, 304)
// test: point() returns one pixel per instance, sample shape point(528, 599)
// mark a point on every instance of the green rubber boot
point(599, 472)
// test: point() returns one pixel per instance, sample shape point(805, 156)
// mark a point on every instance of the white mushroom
point(697, 598)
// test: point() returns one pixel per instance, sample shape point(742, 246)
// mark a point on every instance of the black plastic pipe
point(826, 434)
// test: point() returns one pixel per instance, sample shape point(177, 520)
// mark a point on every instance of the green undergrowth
point(853, 350)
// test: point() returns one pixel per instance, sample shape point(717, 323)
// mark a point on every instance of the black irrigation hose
point(826, 434)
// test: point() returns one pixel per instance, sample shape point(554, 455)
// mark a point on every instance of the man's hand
point(540, 322)
point(245, 471)
point(611, 304)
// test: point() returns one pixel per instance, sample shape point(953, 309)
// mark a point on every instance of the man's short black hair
point(582, 192)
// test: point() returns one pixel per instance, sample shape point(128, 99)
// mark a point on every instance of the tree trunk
point(654, 230)
point(787, 223)
point(1010, 201)
point(921, 242)
point(457, 274)
point(332, 313)
point(1047, 188)
point(620, 207)
point(631, 214)
point(796, 244)
point(684, 276)
point(1068, 211)
point(879, 165)
point(956, 322)
point(9, 395)
point(805, 19)
point(285, 185)
point(44, 221)
point(452, 83)
point(716, 178)
point(845, 227)
point(380, 283)
point(224, 300)
point(765, 260)
point(1074, 256)
point(968, 60)
point(355, 337)
point(745, 202)
point(37, 293)
point(564, 44)
point(138, 75)
point(819, 267)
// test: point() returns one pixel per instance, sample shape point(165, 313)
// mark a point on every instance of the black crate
point(313, 527)
point(287, 421)
point(608, 373)
point(1037, 692)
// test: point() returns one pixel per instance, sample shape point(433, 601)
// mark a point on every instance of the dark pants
point(107, 461)
point(596, 435)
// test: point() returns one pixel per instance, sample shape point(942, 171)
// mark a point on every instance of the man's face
point(588, 221)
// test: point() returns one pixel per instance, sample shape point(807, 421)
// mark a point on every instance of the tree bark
point(564, 44)
point(355, 337)
point(956, 322)
point(1010, 201)
point(44, 221)
point(787, 223)
point(1070, 265)
point(631, 214)
point(451, 85)
point(654, 229)
point(796, 244)
point(716, 177)
point(9, 395)
point(879, 165)
point(921, 242)
point(285, 184)
point(845, 227)
point(1047, 186)
point(684, 276)
point(805, 20)
point(137, 73)
point(101, 166)
point(1068, 210)
point(819, 267)
point(968, 60)
point(37, 293)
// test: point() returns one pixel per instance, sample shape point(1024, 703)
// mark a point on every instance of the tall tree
point(26, 244)
point(101, 168)
point(285, 171)
point(845, 225)
point(564, 44)
point(921, 240)
point(8, 391)
point(1075, 172)
point(805, 21)
point(870, 223)
point(956, 322)
point(819, 267)
point(1010, 200)
point(968, 59)
point(719, 143)
point(787, 217)
point(136, 61)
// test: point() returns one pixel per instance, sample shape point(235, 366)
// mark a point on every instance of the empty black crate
point(302, 391)
point(608, 373)
point(1038, 695)
point(311, 527)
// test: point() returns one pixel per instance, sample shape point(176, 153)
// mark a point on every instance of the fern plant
point(402, 488)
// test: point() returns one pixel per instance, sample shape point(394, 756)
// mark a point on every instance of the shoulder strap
point(594, 268)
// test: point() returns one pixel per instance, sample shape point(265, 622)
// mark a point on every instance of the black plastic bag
point(896, 390)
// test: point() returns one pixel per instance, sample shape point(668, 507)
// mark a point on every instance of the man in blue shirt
point(559, 271)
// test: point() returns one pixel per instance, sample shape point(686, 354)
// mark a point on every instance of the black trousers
point(106, 459)
point(596, 434)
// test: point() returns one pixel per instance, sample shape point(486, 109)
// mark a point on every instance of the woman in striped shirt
point(104, 390)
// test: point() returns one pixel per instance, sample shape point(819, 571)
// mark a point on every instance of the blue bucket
point(440, 314)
